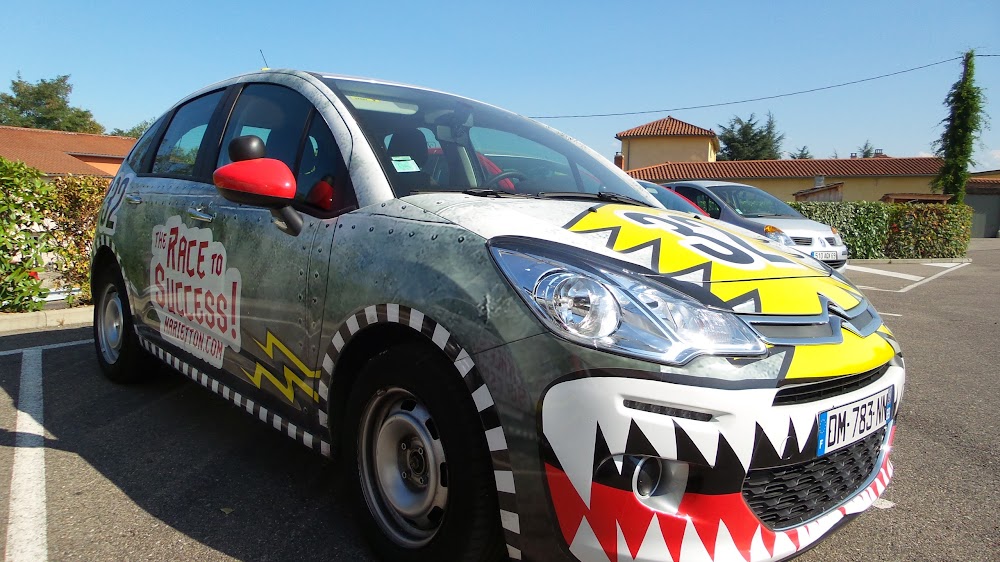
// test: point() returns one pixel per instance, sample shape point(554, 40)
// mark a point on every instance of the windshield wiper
point(478, 192)
point(601, 195)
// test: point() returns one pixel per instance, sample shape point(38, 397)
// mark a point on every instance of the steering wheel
point(505, 175)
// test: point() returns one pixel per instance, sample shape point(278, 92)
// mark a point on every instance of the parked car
point(670, 199)
point(757, 210)
point(546, 369)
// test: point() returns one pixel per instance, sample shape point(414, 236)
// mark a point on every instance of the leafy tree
point(963, 126)
point(866, 150)
point(749, 140)
point(801, 154)
point(135, 131)
point(45, 105)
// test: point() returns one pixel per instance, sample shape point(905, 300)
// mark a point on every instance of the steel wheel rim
point(110, 324)
point(402, 465)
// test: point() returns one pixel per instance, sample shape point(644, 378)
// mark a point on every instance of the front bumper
point(591, 441)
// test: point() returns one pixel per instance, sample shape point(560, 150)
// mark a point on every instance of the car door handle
point(133, 199)
point(199, 215)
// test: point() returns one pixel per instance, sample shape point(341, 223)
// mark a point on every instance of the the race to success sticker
point(197, 295)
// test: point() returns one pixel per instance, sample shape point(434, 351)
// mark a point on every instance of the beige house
point(59, 153)
point(664, 140)
point(863, 179)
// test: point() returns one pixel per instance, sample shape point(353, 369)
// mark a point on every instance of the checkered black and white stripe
point(442, 338)
point(244, 402)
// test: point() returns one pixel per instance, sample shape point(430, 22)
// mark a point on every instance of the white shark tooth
point(758, 552)
point(704, 436)
point(693, 549)
point(775, 427)
point(725, 546)
point(697, 277)
point(740, 436)
point(654, 546)
point(661, 436)
point(803, 421)
point(783, 546)
point(585, 545)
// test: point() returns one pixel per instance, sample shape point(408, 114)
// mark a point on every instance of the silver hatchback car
point(757, 210)
point(510, 348)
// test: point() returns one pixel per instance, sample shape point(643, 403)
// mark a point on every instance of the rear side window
point(275, 114)
point(179, 148)
point(139, 158)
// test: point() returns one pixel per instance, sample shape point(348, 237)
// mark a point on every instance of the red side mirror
point(262, 182)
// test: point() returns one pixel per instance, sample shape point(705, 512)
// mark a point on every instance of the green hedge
point(24, 200)
point(929, 231)
point(864, 225)
point(872, 229)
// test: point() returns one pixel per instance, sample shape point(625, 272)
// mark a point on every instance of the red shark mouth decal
point(617, 526)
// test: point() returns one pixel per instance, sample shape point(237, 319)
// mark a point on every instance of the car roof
point(707, 183)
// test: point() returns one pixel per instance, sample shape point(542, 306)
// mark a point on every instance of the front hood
point(793, 224)
point(668, 243)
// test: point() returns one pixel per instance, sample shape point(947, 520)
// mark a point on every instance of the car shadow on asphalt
point(188, 459)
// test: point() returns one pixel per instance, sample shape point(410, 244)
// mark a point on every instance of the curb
point(22, 321)
point(911, 260)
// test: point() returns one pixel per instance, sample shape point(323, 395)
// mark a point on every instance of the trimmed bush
point(77, 204)
point(872, 229)
point(864, 225)
point(24, 200)
point(929, 231)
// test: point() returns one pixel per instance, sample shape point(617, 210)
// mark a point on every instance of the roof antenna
point(265, 60)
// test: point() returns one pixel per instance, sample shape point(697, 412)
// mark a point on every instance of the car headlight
point(836, 236)
point(778, 235)
point(603, 306)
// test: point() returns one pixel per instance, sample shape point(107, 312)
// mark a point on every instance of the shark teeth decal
point(706, 528)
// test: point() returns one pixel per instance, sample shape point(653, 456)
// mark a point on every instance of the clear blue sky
point(129, 62)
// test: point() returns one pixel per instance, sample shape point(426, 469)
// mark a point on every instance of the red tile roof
point(802, 168)
point(667, 127)
point(983, 186)
point(52, 151)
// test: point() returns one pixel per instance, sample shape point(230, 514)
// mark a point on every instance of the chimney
point(819, 181)
point(619, 160)
point(878, 152)
point(854, 155)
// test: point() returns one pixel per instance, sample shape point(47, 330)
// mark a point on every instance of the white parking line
point(26, 520)
point(906, 276)
point(44, 347)
point(932, 277)
point(944, 265)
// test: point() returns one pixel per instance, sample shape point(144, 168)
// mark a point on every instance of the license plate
point(825, 255)
point(843, 425)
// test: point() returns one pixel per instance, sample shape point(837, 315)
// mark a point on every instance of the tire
point(416, 462)
point(119, 354)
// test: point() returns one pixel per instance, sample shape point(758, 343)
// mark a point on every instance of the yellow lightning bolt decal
point(291, 378)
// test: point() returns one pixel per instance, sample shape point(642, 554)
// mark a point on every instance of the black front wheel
point(417, 462)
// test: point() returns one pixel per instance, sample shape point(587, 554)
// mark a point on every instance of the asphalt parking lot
point(168, 471)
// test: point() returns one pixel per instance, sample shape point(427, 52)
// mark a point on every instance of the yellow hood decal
point(680, 243)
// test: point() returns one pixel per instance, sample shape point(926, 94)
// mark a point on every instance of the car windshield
point(751, 202)
point(430, 141)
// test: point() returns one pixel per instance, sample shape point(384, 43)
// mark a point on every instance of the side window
point(138, 159)
point(275, 114)
point(178, 151)
point(700, 199)
point(322, 181)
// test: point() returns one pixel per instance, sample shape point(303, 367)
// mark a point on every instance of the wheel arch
point(377, 328)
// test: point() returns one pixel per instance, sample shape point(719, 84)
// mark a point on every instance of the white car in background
point(757, 210)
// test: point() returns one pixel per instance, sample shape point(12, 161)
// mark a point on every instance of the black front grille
point(831, 241)
point(802, 241)
point(810, 392)
point(836, 264)
point(787, 496)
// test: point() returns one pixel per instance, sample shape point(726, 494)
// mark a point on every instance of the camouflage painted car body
point(270, 322)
